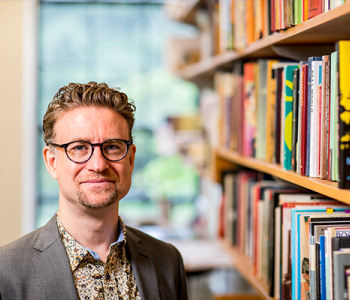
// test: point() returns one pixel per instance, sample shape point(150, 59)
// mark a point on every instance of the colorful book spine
point(343, 49)
point(314, 8)
point(324, 118)
point(288, 115)
point(316, 63)
point(304, 116)
point(334, 119)
point(295, 118)
point(249, 104)
point(323, 295)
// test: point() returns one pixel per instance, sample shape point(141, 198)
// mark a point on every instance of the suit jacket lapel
point(53, 265)
point(143, 267)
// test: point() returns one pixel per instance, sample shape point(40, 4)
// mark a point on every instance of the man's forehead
point(89, 120)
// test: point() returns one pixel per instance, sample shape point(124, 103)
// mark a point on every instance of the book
point(249, 105)
point(333, 155)
point(324, 118)
point(278, 109)
point(343, 50)
point(295, 118)
point(270, 111)
point(341, 263)
point(262, 109)
point(300, 94)
point(329, 234)
point(323, 295)
point(314, 64)
point(314, 8)
point(304, 120)
point(288, 115)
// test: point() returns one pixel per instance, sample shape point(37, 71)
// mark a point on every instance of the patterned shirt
point(95, 279)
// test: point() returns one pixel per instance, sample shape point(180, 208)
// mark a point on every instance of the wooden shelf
point(242, 265)
point(324, 29)
point(327, 188)
point(187, 11)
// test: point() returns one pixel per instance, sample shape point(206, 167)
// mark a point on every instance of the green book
point(288, 113)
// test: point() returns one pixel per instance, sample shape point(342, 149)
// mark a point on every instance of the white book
point(315, 74)
point(277, 252)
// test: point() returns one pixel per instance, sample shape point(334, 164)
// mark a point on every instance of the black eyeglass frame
point(65, 146)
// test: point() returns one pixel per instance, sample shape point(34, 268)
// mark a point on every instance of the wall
point(10, 119)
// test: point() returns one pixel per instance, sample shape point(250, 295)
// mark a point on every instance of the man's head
point(95, 114)
point(84, 95)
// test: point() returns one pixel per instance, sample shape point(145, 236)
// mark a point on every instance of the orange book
point(250, 21)
point(306, 9)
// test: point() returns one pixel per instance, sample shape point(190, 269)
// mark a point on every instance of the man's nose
point(97, 162)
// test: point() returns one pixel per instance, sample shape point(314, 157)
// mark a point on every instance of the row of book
point(297, 241)
point(238, 23)
point(293, 113)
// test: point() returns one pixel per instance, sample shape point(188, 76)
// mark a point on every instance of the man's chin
point(98, 201)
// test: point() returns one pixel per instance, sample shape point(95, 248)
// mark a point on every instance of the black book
point(278, 75)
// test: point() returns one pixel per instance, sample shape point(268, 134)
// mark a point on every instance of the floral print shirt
point(94, 279)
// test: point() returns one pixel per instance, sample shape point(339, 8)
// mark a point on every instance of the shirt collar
point(77, 252)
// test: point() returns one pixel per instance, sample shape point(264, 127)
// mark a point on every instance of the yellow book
point(343, 49)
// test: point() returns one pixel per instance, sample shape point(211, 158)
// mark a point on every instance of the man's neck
point(95, 229)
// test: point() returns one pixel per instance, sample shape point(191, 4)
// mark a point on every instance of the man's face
point(98, 182)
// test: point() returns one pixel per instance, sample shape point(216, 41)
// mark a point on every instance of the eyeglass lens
point(81, 151)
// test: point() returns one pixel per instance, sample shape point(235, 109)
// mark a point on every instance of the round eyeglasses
point(82, 151)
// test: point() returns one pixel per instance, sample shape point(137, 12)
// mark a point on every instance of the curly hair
point(93, 94)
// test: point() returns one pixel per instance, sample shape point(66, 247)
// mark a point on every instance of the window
point(122, 45)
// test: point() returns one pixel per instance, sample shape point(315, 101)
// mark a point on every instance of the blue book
point(310, 105)
point(323, 267)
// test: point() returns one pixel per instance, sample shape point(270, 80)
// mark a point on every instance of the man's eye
point(79, 148)
point(112, 147)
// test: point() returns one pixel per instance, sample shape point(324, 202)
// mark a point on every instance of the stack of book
point(296, 114)
point(297, 242)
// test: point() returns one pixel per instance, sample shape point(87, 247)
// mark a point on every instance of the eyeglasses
point(82, 151)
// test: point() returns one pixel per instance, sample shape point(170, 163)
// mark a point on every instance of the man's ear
point(132, 151)
point(50, 161)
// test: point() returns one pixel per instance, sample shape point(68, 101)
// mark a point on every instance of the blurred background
point(130, 45)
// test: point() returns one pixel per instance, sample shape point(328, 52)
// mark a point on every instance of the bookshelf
point(313, 37)
point(323, 30)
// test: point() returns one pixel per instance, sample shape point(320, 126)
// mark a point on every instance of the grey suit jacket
point(36, 267)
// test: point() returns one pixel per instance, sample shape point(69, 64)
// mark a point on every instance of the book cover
point(278, 109)
point(250, 21)
point(270, 111)
point(305, 10)
point(298, 152)
point(329, 234)
point(314, 8)
point(272, 16)
point(304, 118)
point(240, 38)
point(297, 12)
point(249, 105)
point(319, 124)
point(313, 80)
point(334, 119)
point(323, 295)
point(341, 263)
point(295, 118)
point(262, 110)
point(343, 49)
point(324, 118)
point(288, 115)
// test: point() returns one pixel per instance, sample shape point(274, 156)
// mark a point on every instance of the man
point(85, 251)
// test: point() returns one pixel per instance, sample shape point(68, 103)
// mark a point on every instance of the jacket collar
point(142, 265)
point(52, 263)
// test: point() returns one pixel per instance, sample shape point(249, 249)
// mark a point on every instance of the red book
point(303, 99)
point(273, 16)
point(314, 8)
